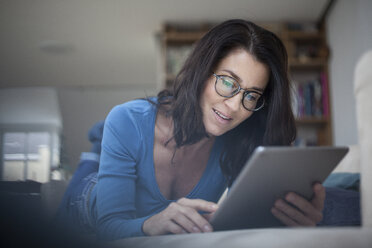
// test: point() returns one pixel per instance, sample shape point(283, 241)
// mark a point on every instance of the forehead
point(245, 68)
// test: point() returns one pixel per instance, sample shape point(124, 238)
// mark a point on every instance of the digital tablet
point(269, 174)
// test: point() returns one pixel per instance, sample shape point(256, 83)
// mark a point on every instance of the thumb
point(319, 196)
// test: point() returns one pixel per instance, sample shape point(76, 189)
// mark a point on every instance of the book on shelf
point(305, 141)
point(325, 100)
point(310, 99)
point(176, 57)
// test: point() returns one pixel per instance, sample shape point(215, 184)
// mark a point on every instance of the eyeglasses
point(228, 87)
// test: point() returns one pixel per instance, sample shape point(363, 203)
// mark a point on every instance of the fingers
point(208, 217)
point(189, 218)
point(283, 217)
point(304, 212)
point(194, 205)
point(199, 204)
point(174, 228)
point(312, 209)
point(319, 196)
point(186, 224)
point(289, 215)
point(181, 217)
point(306, 207)
point(160, 224)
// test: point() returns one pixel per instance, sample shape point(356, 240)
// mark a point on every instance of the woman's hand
point(309, 213)
point(180, 217)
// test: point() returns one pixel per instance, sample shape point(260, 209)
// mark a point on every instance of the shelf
point(312, 120)
point(182, 37)
point(307, 63)
point(303, 35)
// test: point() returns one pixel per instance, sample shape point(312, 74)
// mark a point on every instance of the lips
point(222, 117)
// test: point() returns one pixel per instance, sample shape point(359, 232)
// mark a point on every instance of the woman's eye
point(227, 83)
point(251, 97)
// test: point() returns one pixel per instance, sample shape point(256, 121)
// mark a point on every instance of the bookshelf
point(308, 70)
point(177, 41)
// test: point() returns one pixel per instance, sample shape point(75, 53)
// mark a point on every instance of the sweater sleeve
point(116, 187)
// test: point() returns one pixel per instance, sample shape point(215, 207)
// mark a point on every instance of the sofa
point(360, 158)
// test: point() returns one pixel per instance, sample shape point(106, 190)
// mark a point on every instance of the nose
point(234, 102)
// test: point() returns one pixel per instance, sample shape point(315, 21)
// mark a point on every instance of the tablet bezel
point(267, 176)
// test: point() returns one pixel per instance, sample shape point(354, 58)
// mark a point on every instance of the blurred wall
point(349, 27)
point(81, 108)
point(29, 105)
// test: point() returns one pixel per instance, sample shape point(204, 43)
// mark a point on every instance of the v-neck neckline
point(196, 186)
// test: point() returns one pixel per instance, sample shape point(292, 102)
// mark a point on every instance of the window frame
point(53, 131)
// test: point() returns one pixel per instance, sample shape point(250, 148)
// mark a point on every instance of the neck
point(165, 128)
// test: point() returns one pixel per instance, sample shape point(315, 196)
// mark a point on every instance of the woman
point(165, 160)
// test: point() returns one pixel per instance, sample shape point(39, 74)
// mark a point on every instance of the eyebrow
point(240, 80)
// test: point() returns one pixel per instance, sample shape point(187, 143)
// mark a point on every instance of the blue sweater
point(127, 192)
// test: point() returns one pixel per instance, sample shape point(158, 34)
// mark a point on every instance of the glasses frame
point(218, 77)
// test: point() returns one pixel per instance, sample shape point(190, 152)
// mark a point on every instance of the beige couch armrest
point(351, 162)
point(363, 95)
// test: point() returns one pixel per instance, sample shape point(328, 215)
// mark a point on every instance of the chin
point(215, 132)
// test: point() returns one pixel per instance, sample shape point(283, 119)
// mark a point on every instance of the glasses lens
point(252, 100)
point(226, 86)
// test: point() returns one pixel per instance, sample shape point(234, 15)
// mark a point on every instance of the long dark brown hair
point(272, 125)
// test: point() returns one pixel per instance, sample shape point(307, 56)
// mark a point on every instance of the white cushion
point(274, 237)
point(363, 95)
